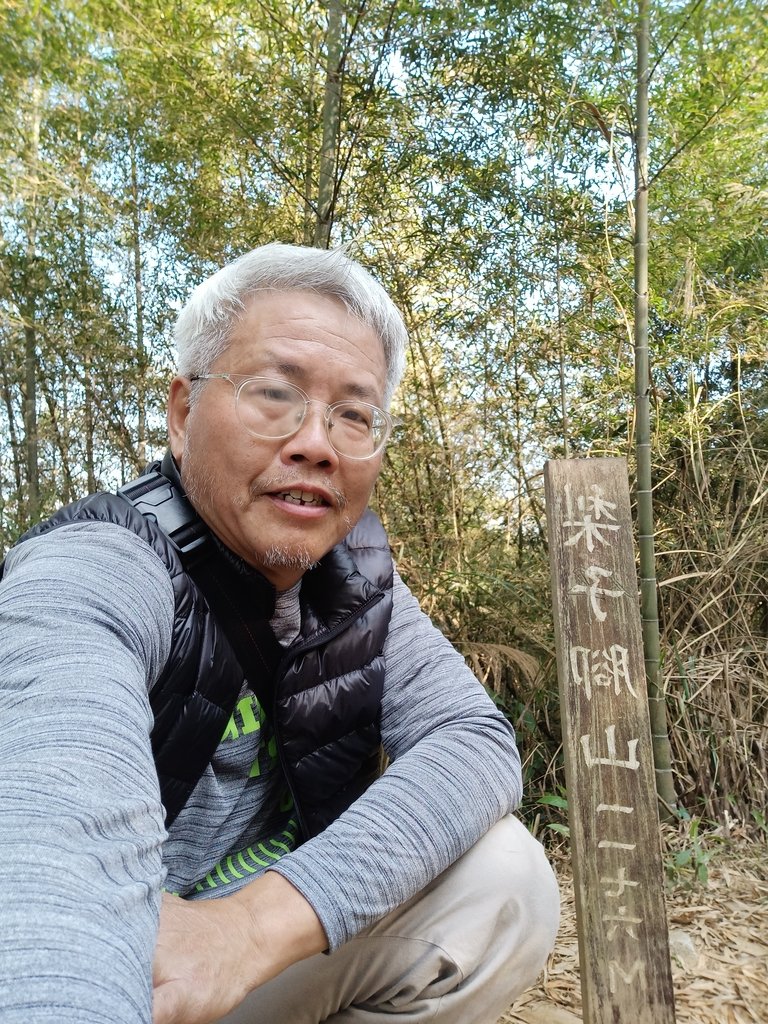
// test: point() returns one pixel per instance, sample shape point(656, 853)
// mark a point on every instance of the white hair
point(204, 326)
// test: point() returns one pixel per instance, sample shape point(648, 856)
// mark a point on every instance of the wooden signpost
point(625, 968)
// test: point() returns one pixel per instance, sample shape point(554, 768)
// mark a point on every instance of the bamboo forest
point(479, 159)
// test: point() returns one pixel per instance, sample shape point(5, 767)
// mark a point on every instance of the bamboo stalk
point(665, 786)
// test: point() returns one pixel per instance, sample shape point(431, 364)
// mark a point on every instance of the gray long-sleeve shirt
point(85, 628)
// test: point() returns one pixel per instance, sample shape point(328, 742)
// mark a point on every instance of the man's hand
point(211, 953)
point(199, 970)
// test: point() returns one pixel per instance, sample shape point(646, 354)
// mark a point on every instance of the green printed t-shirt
point(244, 801)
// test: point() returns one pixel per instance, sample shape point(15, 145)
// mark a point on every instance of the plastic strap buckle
point(156, 498)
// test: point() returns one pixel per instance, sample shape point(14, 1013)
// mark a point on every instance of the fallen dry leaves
point(718, 940)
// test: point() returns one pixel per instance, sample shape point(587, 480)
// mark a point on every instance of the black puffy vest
point(325, 694)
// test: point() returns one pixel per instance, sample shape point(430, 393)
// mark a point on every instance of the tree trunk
point(665, 786)
point(309, 218)
point(7, 391)
point(86, 340)
point(88, 398)
point(562, 361)
point(326, 197)
point(138, 291)
point(29, 307)
point(67, 489)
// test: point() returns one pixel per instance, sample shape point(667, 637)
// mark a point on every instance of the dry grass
point(713, 567)
point(718, 940)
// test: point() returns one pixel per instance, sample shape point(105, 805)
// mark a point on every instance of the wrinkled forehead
point(296, 333)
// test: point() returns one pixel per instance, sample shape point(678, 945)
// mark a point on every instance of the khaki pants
point(459, 952)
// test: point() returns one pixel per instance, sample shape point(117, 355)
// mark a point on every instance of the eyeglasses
point(274, 409)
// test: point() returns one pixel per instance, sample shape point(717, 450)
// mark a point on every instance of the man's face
point(241, 484)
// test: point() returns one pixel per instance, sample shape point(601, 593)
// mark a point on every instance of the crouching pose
point(197, 676)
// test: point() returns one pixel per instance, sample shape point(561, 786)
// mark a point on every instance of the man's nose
point(311, 440)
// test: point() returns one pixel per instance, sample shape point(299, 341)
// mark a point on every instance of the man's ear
point(178, 412)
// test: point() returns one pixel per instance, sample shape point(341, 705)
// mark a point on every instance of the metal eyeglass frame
point(239, 380)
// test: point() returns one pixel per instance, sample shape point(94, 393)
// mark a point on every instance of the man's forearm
point(455, 771)
point(81, 824)
point(282, 924)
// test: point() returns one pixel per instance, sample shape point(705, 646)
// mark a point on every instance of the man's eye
point(270, 394)
point(358, 417)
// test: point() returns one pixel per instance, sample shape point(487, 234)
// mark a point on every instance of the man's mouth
point(301, 498)
point(304, 493)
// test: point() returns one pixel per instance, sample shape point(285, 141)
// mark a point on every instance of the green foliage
point(687, 859)
point(558, 803)
point(484, 173)
point(761, 822)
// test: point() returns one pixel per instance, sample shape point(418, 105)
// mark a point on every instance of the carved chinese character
point(622, 882)
point(612, 844)
point(630, 762)
point(601, 668)
point(594, 574)
point(621, 920)
point(617, 808)
point(594, 510)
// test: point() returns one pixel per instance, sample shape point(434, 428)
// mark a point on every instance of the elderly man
point(197, 677)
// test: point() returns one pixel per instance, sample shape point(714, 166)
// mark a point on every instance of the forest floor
point(718, 941)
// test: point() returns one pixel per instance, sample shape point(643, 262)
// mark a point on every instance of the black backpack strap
point(161, 498)
point(241, 602)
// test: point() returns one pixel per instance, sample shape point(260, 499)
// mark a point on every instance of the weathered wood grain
point(623, 942)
